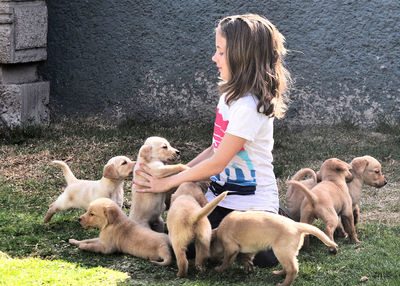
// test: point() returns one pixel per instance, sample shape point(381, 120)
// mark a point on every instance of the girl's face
point(220, 57)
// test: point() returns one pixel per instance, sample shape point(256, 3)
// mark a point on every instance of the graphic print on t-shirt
point(238, 177)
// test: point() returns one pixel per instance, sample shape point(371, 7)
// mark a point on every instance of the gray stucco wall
point(152, 59)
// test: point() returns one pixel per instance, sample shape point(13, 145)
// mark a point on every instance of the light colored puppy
point(329, 199)
point(147, 208)
point(80, 193)
point(120, 234)
point(295, 198)
point(366, 170)
point(187, 222)
point(252, 231)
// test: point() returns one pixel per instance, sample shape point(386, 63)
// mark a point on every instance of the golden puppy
point(293, 197)
point(80, 193)
point(366, 170)
point(252, 231)
point(187, 222)
point(120, 234)
point(329, 198)
point(147, 208)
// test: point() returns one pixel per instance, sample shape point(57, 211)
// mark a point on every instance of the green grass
point(40, 254)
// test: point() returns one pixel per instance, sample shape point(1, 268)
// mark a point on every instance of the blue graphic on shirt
point(240, 177)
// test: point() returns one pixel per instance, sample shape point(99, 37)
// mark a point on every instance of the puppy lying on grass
point(329, 199)
point(187, 222)
point(120, 234)
point(252, 231)
point(80, 193)
point(147, 208)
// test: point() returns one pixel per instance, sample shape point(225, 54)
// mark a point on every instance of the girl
point(253, 80)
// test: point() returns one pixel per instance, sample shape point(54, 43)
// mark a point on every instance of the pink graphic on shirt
point(220, 126)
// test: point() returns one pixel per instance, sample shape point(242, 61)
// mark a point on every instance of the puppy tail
point(303, 172)
point(166, 258)
point(69, 176)
point(208, 208)
point(310, 229)
point(309, 195)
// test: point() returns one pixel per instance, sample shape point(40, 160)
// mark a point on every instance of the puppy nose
point(79, 219)
point(178, 152)
point(385, 182)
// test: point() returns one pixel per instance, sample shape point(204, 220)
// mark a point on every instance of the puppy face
point(370, 169)
point(118, 168)
point(336, 167)
point(157, 148)
point(98, 213)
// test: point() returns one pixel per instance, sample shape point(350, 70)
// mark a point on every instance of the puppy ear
point(319, 177)
point(145, 152)
point(111, 213)
point(110, 172)
point(200, 198)
point(359, 165)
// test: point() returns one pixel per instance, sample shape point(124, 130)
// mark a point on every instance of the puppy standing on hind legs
point(80, 193)
point(147, 208)
point(252, 231)
point(187, 222)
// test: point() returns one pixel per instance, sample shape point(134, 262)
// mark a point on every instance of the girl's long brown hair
point(253, 49)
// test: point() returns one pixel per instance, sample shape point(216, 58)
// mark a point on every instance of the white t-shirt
point(252, 166)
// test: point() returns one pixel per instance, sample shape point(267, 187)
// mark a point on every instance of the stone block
point(23, 31)
point(18, 73)
point(24, 104)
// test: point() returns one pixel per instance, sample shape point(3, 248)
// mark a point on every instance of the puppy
point(328, 199)
point(252, 231)
point(120, 234)
point(80, 193)
point(295, 198)
point(147, 208)
point(366, 170)
point(187, 222)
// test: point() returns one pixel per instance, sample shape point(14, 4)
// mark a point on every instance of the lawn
point(33, 253)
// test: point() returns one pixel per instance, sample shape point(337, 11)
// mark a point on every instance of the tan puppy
point(80, 193)
point(252, 231)
point(295, 198)
point(187, 222)
point(120, 234)
point(366, 170)
point(328, 199)
point(147, 208)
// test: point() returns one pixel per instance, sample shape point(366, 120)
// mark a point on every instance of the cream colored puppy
point(252, 231)
point(80, 193)
point(120, 234)
point(366, 170)
point(329, 199)
point(187, 222)
point(147, 208)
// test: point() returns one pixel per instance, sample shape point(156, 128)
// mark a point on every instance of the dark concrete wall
point(152, 59)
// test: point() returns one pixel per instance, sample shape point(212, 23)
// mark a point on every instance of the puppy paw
point(200, 268)
point(220, 268)
point(279, 272)
point(73, 242)
point(333, 250)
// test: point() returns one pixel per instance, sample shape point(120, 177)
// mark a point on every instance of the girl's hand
point(152, 185)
